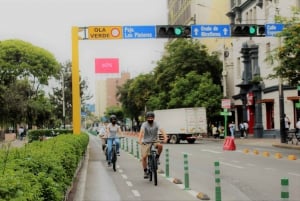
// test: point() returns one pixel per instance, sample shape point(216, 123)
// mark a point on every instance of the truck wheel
point(174, 139)
point(191, 141)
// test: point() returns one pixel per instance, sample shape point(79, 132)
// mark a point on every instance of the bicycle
point(113, 152)
point(152, 164)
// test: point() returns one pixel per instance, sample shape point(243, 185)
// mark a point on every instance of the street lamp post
point(63, 100)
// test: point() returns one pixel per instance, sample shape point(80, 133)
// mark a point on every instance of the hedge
point(41, 170)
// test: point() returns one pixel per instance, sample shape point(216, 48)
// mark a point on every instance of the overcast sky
point(48, 23)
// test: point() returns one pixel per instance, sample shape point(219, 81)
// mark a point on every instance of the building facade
point(255, 99)
point(260, 101)
point(106, 92)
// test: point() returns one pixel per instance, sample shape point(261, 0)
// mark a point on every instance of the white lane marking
point(294, 174)
point(231, 165)
point(136, 193)
point(269, 168)
point(211, 151)
point(129, 183)
point(124, 176)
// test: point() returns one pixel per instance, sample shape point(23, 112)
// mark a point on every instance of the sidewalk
point(264, 142)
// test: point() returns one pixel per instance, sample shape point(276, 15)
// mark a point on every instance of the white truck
point(182, 123)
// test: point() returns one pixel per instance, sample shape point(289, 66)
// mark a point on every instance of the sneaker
point(118, 153)
point(146, 176)
point(108, 163)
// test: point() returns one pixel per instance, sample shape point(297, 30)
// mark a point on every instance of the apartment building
point(106, 90)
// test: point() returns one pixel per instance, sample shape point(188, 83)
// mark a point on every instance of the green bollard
point(127, 144)
point(186, 173)
point(167, 164)
point(217, 181)
point(122, 143)
point(137, 150)
point(131, 150)
point(285, 189)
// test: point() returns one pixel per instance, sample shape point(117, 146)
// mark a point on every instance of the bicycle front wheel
point(114, 159)
point(150, 168)
point(154, 169)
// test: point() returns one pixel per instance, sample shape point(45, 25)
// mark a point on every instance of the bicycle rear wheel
point(114, 158)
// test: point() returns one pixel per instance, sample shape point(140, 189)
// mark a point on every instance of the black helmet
point(113, 117)
point(150, 114)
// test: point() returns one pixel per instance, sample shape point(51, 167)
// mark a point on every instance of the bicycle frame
point(113, 152)
point(152, 164)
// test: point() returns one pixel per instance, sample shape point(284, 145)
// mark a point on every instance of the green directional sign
point(298, 105)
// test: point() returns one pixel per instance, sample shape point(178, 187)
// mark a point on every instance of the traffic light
point(173, 31)
point(248, 30)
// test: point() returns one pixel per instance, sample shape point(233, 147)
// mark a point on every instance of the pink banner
point(108, 65)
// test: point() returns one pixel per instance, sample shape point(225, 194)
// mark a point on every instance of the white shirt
point(298, 124)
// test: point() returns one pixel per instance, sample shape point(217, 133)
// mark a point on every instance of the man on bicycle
point(112, 131)
point(149, 133)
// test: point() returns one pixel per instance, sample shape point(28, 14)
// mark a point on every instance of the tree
point(135, 94)
point(186, 76)
point(288, 54)
point(24, 68)
point(200, 87)
point(182, 57)
point(65, 78)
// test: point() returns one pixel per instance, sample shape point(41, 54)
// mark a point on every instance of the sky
point(48, 23)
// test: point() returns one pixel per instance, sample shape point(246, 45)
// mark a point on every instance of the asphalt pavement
point(93, 176)
point(93, 184)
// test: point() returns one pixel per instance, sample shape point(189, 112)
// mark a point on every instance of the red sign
point(109, 65)
point(226, 103)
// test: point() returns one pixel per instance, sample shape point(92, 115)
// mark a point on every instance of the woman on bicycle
point(112, 131)
point(149, 133)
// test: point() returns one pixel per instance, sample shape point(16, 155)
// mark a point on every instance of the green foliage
point(186, 76)
point(39, 134)
point(64, 77)
point(288, 54)
point(24, 69)
point(41, 170)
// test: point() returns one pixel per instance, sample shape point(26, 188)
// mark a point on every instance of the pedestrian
point(20, 132)
point(298, 126)
point(232, 128)
point(287, 122)
point(214, 131)
point(242, 129)
point(246, 128)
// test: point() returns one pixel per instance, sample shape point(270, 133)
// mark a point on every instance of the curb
point(80, 188)
point(267, 154)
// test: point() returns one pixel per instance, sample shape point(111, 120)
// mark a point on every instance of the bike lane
point(127, 183)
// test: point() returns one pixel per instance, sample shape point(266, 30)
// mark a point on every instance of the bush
point(42, 170)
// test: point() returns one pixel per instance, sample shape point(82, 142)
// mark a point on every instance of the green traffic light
point(252, 30)
point(178, 31)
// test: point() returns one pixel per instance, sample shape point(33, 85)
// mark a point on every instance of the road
point(244, 176)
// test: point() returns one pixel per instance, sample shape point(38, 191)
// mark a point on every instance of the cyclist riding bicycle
point(112, 131)
point(149, 133)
